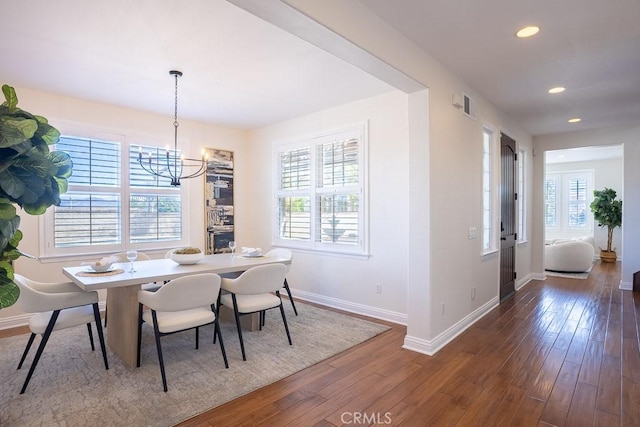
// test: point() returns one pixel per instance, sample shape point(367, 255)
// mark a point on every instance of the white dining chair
point(285, 254)
point(122, 257)
point(187, 302)
point(56, 306)
point(252, 292)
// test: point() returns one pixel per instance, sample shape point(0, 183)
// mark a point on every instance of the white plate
point(109, 270)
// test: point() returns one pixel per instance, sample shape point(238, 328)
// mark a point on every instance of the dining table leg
point(122, 329)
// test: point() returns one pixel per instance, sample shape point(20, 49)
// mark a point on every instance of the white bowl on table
point(186, 258)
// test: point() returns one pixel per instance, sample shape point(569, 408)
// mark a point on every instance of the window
point(577, 202)
point(567, 198)
point(320, 198)
point(111, 203)
point(550, 202)
point(489, 195)
point(522, 214)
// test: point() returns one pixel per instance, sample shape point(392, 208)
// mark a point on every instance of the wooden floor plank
point(583, 406)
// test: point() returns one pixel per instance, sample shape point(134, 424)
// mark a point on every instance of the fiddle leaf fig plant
point(607, 211)
point(31, 177)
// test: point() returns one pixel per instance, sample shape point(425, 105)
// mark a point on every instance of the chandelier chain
point(175, 109)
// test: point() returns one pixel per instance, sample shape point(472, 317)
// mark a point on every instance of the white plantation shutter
point(577, 202)
point(294, 203)
point(155, 217)
point(90, 212)
point(550, 202)
point(320, 192)
point(85, 219)
point(338, 191)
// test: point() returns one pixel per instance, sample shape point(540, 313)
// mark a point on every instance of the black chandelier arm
point(201, 170)
point(152, 171)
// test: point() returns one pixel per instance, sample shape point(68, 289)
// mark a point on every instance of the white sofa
point(570, 256)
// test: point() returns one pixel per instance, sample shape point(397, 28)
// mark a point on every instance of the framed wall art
point(218, 204)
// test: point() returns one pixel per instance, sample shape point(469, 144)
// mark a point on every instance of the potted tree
point(607, 211)
point(31, 177)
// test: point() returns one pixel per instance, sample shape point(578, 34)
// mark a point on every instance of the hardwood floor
point(561, 352)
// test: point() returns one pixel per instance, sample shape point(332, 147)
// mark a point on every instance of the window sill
point(338, 254)
point(489, 253)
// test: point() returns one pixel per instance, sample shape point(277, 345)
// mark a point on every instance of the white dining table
point(122, 290)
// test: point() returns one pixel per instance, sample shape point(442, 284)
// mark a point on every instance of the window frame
point(47, 248)
point(491, 202)
point(314, 192)
point(522, 195)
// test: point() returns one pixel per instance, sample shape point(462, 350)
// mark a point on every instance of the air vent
point(468, 106)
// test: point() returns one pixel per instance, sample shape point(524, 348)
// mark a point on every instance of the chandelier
point(170, 167)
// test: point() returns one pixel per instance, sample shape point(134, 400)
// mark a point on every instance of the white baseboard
point(23, 319)
point(528, 278)
point(14, 321)
point(626, 286)
point(431, 347)
point(377, 313)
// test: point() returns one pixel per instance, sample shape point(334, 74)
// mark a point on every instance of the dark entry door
point(508, 199)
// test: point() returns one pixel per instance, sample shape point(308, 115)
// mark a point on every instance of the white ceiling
point(592, 47)
point(244, 72)
point(584, 154)
point(238, 70)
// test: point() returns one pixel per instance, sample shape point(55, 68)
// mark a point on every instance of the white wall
point(71, 113)
point(350, 281)
point(629, 136)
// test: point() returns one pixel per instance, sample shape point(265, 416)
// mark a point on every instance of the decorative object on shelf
point(607, 211)
point(31, 176)
point(218, 202)
point(171, 167)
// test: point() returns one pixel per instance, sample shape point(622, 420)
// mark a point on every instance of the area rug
point(70, 386)
point(583, 275)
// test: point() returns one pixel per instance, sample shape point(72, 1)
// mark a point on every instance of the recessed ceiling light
point(527, 31)
point(557, 89)
point(575, 120)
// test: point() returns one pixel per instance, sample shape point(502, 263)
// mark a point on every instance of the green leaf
point(46, 133)
point(9, 293)
point(10, 96)
point(7, 210)
point(15, 130)
point(63, 162)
